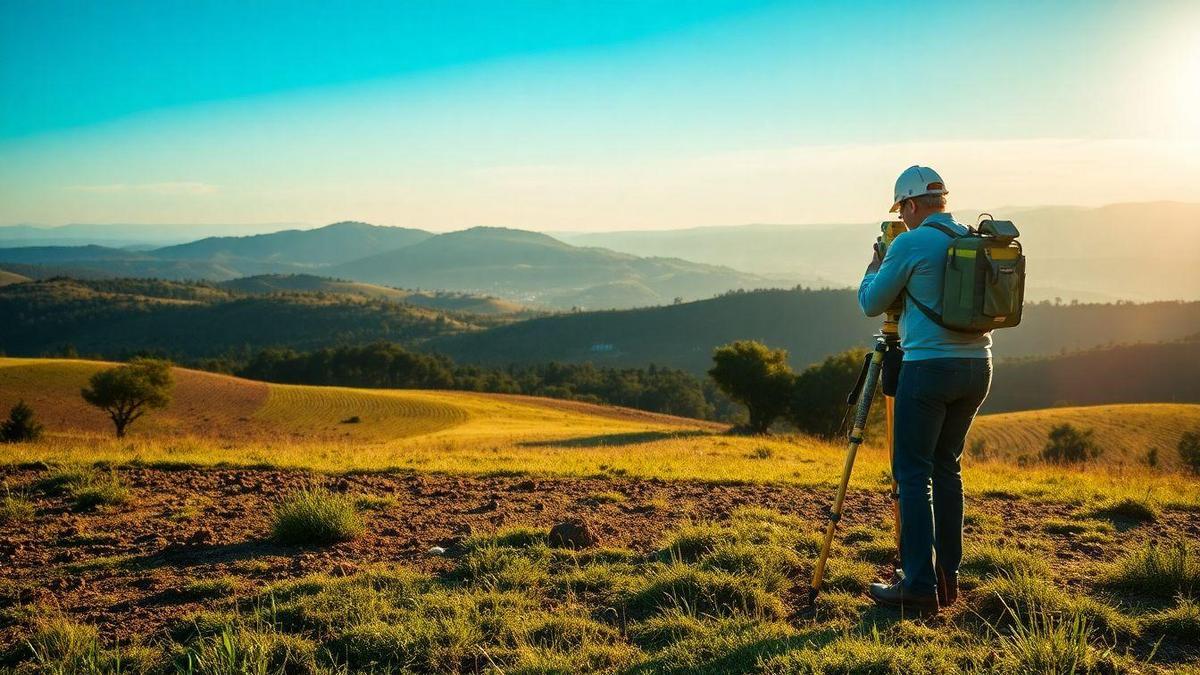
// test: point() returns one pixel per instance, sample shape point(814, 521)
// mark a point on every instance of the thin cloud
point(168, 188)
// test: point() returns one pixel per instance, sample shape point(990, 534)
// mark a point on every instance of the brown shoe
point(947, 587)
point(896, 595)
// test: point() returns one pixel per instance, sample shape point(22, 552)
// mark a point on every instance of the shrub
point(316, 517)
point(20, 427)
point(1189, 450)
point(1068, 445)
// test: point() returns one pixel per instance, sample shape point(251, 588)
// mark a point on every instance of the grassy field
point(216, 419)
point(260, 528)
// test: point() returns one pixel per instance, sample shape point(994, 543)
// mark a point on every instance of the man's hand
point(877, 258)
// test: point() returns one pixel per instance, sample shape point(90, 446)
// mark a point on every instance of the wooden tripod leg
point(890, 407)
point(870, 383)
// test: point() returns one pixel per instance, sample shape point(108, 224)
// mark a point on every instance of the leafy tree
point(756, 376)
point(818, 400)
point(127, 392)
point(1189, 449)
point(20, 425)
point(1068, 445)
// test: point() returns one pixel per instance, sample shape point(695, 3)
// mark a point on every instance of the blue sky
point(585, 115)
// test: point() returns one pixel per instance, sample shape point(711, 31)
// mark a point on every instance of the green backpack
point(984, 286)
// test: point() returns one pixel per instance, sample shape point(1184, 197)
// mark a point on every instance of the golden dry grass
point(7, 278)
point(218, 419)
point(1123, 433)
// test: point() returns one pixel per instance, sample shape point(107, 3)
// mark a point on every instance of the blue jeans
point(936, 402)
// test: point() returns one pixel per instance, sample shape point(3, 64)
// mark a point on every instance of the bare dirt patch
point(127, 568)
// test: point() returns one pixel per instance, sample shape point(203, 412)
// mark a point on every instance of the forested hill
point(1163, 373)
point(116, 318)
point(810, 324)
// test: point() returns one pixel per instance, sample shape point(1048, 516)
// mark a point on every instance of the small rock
point(525, 486)
point(436, 550)
point(572, 534)
point(489, 505)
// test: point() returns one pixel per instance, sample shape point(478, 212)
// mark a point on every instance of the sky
point(603, 115)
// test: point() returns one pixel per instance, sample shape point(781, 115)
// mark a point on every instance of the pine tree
point(20, 425)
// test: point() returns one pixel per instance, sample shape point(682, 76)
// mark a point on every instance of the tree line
point(391, 366)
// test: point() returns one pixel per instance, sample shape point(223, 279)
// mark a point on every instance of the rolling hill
point(7, 278)
point(121, 317)
point(1123, 433)
point(308, 283)
point(534, 267)
point(810, 324)
point(329, 245)
point(223, 407)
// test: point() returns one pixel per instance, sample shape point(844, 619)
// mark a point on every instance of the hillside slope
point(1124, 434)
point(327, 245)
point(525, 265)
point(308, 283)
point(125, 316)
point(7, 278)
point(810, 324)
point(222, 407)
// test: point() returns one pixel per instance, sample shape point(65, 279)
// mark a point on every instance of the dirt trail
point(194, 524)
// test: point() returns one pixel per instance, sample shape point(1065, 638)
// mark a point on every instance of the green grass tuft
point(1161, 570)
point(106, 490)
point(681, 587)
point(1181, 622)
point(14, 508)
point(1137, 509)
point(988, 560)
point(316, 518)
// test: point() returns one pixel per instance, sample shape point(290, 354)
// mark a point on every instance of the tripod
point(882, 363)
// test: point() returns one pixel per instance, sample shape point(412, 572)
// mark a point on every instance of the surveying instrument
point(881, 364)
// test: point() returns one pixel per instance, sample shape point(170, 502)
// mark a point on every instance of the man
point(944, 379)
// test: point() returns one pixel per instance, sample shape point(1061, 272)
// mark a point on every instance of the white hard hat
point(917, 181)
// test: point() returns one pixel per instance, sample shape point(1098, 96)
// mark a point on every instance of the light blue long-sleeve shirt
point(917, 260)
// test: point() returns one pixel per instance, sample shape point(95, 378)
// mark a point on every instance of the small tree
point(1189, 449)
point(20, 425)
point(127, 392)
point(818, 401)
point(756, 376)
point(1068, 445)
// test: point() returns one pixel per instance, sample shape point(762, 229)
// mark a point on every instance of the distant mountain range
point(1137, 252)
point(519, 266)
point(1117, 252)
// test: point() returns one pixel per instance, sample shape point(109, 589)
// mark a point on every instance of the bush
point(316, 517)
point(1068, 445)
point(1189, 450)
point(20, 427)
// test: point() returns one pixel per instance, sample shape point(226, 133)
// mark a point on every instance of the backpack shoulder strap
point(949, 232)
point(926, 309)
